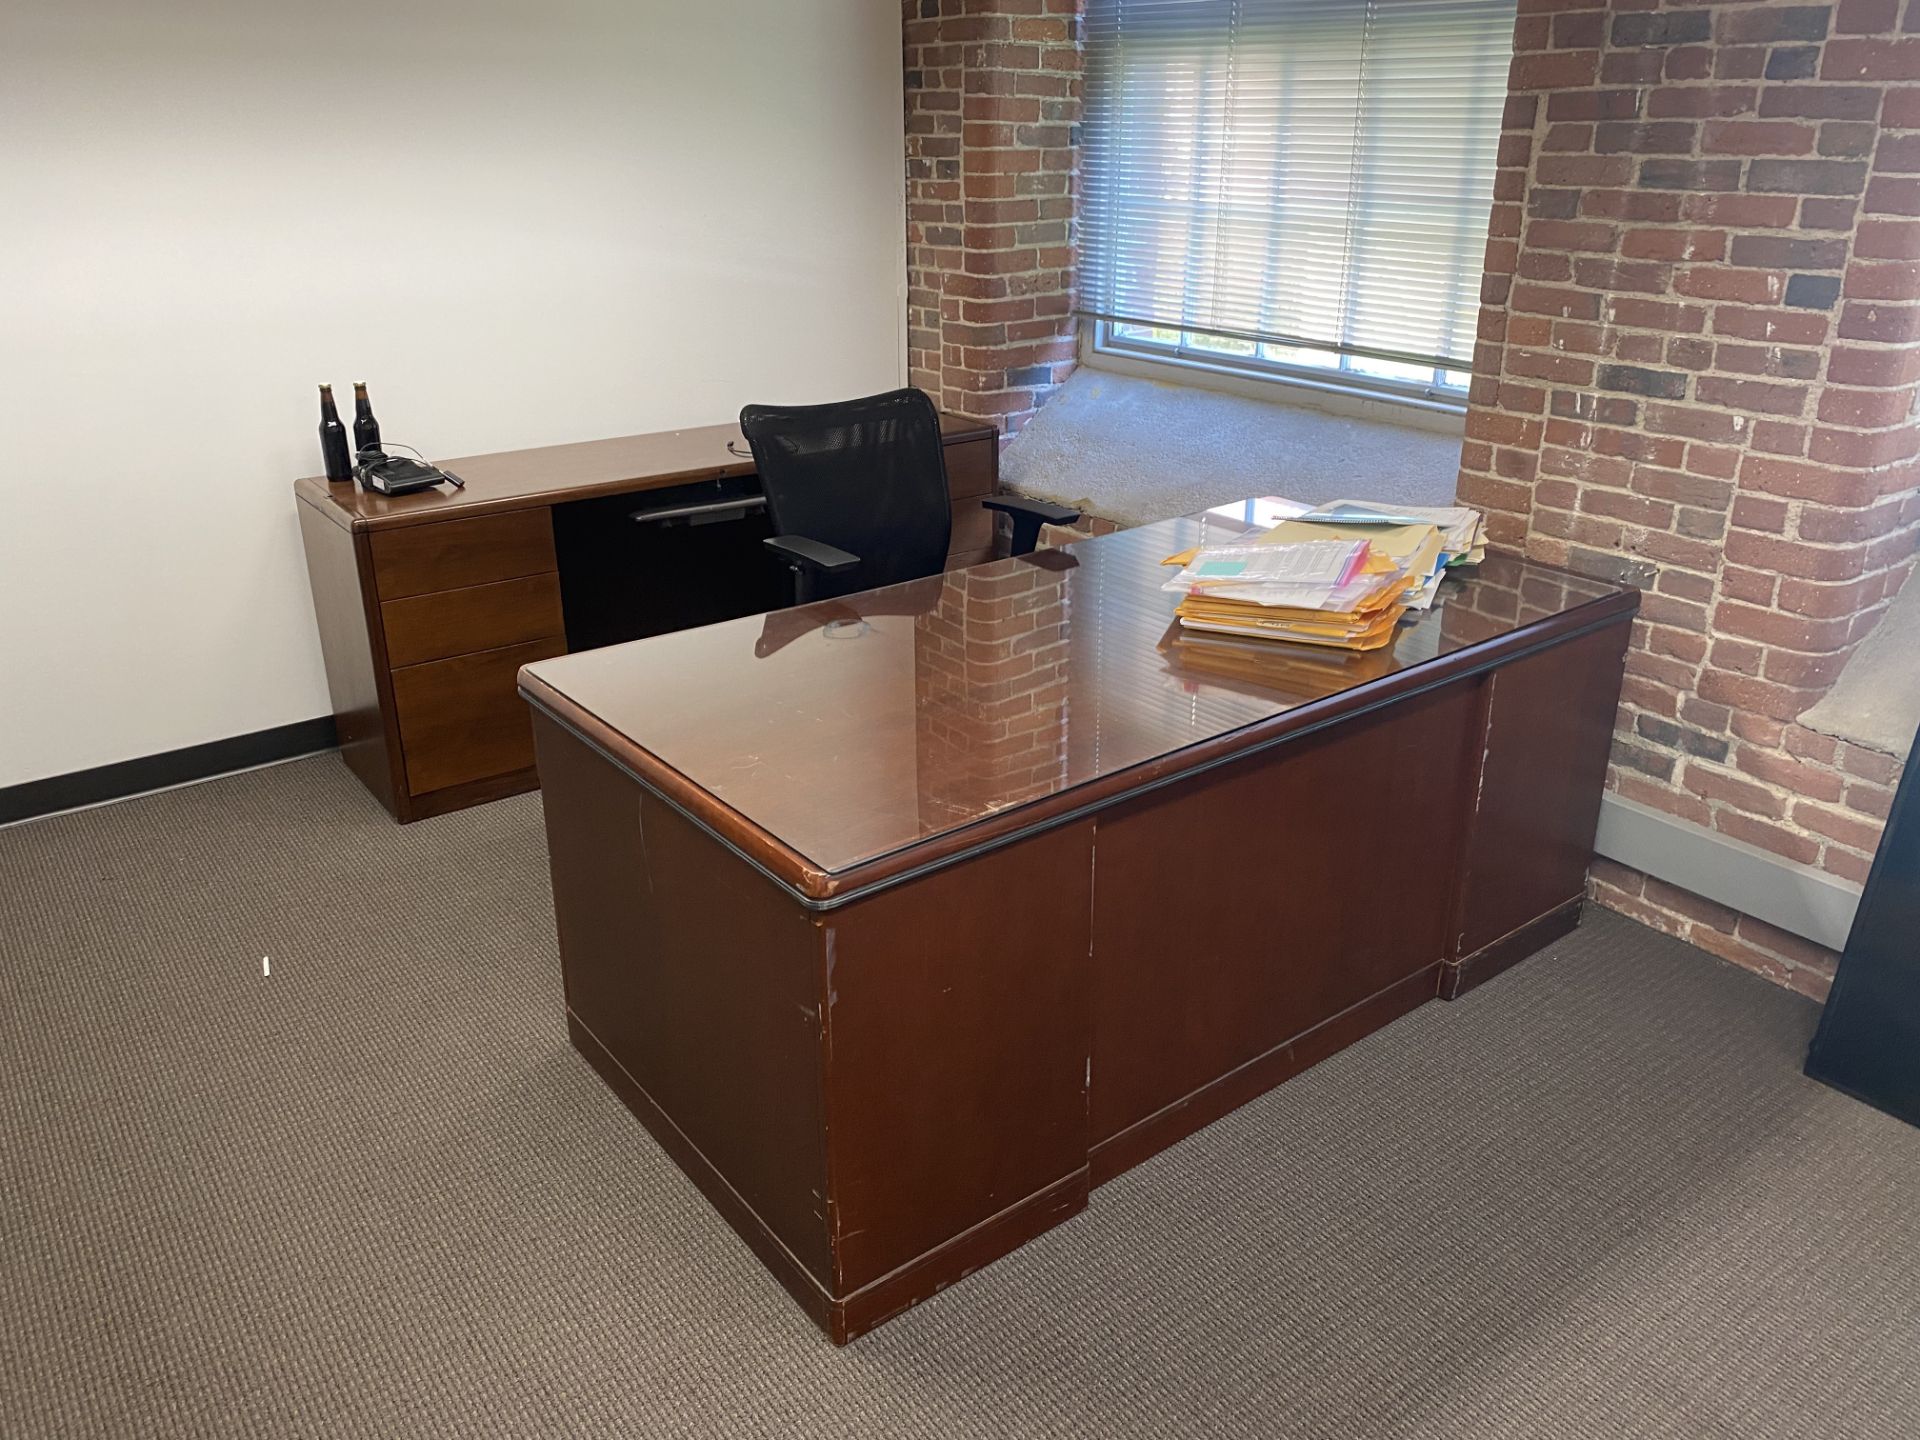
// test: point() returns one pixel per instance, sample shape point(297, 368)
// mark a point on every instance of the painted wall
point(521, 221)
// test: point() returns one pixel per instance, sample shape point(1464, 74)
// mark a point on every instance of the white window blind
point(1293, 172)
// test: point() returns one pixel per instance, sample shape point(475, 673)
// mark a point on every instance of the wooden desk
point(429, 603)
point(903, 920)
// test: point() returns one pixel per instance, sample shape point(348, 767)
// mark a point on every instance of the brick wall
point(993, 96)
point(1697, 369)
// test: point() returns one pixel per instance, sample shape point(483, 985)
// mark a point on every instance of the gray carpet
point(375, 1194)
point(1136, 451)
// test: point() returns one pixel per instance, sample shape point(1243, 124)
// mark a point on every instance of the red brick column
point(1697, 372)
point(993, 99)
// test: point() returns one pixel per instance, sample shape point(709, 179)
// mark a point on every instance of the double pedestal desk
point(905, 920)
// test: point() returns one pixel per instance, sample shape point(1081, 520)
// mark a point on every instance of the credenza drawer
point(972, 526)
point(463, 719)
point(480, 617)
point(451, 554)
point(973, 467)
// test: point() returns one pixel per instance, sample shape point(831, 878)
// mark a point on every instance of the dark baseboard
point(157, 772)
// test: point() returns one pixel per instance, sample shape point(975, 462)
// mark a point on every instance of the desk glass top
point(853, 728)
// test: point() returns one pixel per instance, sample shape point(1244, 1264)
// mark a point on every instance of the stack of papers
point(1341, 575)
point(1462, 533)
point(1303, 573)
point(1349, 596)
point(1257, 667)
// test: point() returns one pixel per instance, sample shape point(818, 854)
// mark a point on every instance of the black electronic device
point(401, 474)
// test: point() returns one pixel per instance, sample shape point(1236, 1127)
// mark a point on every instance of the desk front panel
point(1235, 912)
point(874, 1100)
point(1549, 733)
point(955, 1038)
point(691, 979)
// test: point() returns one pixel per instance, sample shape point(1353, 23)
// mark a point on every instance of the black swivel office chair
point(857, 492)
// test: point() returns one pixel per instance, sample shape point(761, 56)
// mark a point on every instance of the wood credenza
point(429, 604)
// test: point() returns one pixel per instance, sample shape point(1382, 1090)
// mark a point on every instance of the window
point(1293, 186)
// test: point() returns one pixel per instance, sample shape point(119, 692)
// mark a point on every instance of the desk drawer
point(480, 617)
point(450, 554)
point(973, 467)
point(463, 719)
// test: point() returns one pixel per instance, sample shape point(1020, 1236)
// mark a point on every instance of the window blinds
point(1299, 172)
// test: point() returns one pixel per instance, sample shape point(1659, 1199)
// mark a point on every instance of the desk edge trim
point(821, 889)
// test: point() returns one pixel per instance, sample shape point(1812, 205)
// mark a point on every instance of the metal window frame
point(1432, 396)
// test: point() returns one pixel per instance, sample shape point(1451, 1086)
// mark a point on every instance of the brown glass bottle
point(333, 439)
point(366, 429)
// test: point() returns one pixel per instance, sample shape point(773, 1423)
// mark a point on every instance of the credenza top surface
point(516, 479)
point(919, 715)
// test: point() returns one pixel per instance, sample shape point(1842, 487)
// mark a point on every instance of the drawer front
point(961, 559)
point(463, 719)
point(973, 467)
point(450, 554)
point(972, 526)
point(480, 617)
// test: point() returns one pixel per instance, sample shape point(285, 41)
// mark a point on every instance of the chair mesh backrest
point(869, 476)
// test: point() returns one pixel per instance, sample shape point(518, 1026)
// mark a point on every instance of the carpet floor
point(374, 1193)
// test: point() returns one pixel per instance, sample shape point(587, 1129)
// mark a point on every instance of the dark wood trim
point(1145, 1138)
point(926, 1275)
point(821, 889)
point(1459, 976)
point(126, 778)
point(473, 792)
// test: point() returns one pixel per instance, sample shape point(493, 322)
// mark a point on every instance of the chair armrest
point(814, 555)
point(1048, 512)
point(1028, 515)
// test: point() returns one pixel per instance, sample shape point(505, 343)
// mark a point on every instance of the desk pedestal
point(885, 1093)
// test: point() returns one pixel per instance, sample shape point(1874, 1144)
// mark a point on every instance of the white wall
point(521, 221)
